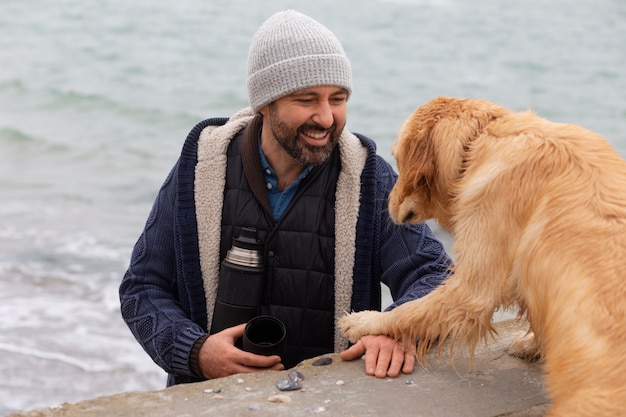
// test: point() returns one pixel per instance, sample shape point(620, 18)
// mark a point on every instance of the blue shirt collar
point(279, 200)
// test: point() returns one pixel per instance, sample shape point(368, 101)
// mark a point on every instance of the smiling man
point(300, 130)
point(306, 124)
point(316, 194)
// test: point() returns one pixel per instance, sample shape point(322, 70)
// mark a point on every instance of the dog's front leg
point(452, 310)
point(357, 325)
point(410, 322)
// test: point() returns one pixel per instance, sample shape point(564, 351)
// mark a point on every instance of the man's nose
point(324, 114)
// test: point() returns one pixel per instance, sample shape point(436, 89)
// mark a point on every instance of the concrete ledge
point(497, 385)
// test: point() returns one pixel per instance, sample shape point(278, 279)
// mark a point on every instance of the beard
point(289, 138)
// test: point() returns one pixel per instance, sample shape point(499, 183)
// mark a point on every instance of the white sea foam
point(54, 356)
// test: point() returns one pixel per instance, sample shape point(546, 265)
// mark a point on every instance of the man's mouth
point(316, 137)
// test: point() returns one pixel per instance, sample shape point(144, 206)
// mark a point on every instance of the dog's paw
point(356, 325)
point(525, 346)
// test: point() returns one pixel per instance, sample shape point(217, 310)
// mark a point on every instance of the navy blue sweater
point(162, 293)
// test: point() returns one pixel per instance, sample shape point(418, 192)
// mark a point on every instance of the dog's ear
point(423, 173)
point(414, 153)
point(454, 125)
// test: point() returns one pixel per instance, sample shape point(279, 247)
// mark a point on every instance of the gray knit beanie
point(291, 51)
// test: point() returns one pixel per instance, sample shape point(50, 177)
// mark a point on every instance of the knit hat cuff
point(285, 77)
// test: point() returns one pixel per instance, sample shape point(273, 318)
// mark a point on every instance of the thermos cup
point(265, 335)
point(241, 282)
point(239, 294)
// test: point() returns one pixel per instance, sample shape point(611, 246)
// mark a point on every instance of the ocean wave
point(12, 86)
point(55, 356)
point(83, 101)
point(90, 102)
point(20, 140)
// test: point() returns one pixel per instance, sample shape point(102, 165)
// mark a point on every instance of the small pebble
point(410, 382)
point(212, 390)
point(279, 398)
point(239, 381)
point(322, 361)
point(254, 407)
point(288, 385)
point(296, 376)
point(248, 389)
point(316, 410)
point(340, 382)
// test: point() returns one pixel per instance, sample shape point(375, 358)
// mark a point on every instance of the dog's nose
point(408, 216)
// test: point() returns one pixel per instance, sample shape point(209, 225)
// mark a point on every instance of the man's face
point(308, 122)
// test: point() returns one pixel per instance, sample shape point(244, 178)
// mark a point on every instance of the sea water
point(96, 98)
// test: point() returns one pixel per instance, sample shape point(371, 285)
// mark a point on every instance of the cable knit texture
point(168, 292)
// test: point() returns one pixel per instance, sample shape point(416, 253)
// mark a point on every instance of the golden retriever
point(537, 211)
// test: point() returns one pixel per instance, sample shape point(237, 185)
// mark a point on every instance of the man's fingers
point(353, 352)
point(409, 360)
point(235, 332)
point(242, 368)
point(385, 359)
point(250, 360)
point(397, 360)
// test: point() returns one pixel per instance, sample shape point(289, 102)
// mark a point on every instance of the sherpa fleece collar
point(209, 187)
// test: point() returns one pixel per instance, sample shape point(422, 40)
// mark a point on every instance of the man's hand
point(219, 357)
point(384, 357)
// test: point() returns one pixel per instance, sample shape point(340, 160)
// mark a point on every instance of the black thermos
point(241, 282)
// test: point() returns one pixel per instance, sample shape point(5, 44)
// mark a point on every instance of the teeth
point(316, 135)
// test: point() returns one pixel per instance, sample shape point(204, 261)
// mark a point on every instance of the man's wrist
point(194, 356)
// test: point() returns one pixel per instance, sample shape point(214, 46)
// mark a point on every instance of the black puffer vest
point(298, 249)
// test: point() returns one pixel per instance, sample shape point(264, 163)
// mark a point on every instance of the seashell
point(288, 385)
point(296, 376)
point(322, 361)
point(279, 398)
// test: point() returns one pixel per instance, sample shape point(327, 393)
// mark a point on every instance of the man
point(316, 194)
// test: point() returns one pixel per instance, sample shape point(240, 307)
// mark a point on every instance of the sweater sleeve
point(149, 293)
point(412, 260)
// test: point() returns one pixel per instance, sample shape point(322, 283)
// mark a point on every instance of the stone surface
point(496, 385)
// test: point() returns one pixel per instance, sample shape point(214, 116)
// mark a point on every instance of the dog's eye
point(422, 182)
